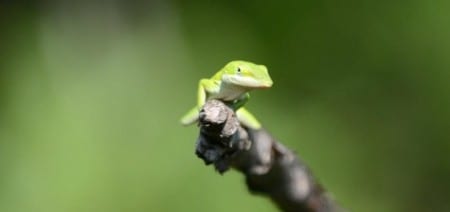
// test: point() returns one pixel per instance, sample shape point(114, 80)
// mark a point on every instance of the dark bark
point(270, 168)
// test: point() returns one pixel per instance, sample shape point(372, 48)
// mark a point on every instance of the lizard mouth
point(249, 82)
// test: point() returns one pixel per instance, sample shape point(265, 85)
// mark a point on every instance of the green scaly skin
point(231, 84)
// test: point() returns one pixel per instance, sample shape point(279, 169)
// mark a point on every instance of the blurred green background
point(91, 94)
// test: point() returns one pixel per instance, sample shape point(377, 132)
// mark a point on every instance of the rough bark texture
point(269, 167)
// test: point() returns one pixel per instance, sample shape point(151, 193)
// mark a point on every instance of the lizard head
point(246, 74)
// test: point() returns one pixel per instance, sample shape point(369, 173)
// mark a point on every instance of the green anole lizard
point(231, 84)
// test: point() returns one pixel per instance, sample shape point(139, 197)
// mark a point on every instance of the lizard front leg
point(247, 119)
point(205, 86)
point(238, 103)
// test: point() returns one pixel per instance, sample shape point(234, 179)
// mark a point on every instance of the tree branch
point(269, 167)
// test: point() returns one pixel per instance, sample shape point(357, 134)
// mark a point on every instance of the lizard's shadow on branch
point(269, 167)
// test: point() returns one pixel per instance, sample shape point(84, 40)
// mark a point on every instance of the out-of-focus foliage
point(91, 94)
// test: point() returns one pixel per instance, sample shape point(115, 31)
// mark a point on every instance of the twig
point(269, 167)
